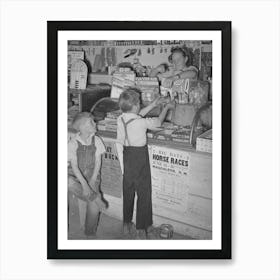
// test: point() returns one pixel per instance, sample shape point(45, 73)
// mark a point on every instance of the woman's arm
point(163, 113)
point(144, 111)
point(159, 69)
point(189, 74)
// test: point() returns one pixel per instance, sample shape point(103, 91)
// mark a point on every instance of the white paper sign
point(169, 170)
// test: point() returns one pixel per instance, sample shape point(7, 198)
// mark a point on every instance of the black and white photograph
point(140, 162)
point(139, 140)
point(140, 130)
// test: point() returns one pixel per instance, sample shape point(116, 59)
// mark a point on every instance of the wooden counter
point(181, 185)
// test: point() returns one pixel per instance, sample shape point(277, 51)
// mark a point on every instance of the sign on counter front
point(169, 170)
point(111, 176)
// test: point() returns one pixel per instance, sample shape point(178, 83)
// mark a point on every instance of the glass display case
point(106, 112)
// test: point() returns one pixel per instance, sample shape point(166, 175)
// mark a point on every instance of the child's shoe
point(129, 229)
point(90, 234)
point(141, 234)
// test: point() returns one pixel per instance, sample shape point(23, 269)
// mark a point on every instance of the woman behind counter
point(181, 59)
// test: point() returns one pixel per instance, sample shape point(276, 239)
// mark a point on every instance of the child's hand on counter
point(161, 100)
point(170, 105)
point(155, 102)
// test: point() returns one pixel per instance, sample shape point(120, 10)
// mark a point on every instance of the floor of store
point(108, 228)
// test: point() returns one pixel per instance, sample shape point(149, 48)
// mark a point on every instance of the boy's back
point(134, 159)
point(136, 127)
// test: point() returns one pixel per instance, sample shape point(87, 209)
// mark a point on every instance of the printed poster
point(169, 171)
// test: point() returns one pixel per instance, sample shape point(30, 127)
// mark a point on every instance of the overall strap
point(91, 144)
point(125, 129)
point(93, 140)
point(79, 143)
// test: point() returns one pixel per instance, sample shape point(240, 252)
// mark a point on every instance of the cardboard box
point(204, 142)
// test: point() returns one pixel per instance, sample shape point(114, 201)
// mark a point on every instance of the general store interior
point(97, 72)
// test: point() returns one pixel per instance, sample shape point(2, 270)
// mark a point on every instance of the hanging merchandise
point(97, 64)
point(139, 52)
point(108, 57)
point(113, 54)
point(148, 51)
point(103, 61)
point(130, 52)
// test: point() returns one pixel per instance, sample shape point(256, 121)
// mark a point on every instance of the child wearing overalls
point(134, 160)
point(84, 154)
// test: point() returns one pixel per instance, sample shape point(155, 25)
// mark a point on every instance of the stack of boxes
point(171, 132)
point(110, 122)
point(122, 79)
point(204, 142)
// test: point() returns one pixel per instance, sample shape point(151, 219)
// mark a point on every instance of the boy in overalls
point(134, 160)
point(84, 154)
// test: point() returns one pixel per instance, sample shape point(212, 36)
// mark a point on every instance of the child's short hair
point(129, 98)
point(80, 118)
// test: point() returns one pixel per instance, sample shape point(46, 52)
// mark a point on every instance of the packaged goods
point(204, 142)
point(149, 88)
point(121, 81)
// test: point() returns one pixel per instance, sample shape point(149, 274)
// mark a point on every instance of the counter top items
point(204, 142)
point(106, 112)
point(110, 121)
point(120, 81)
point(189, 91)
point(104, 106)
point(172, 133)
point(107, 125)
point(182, 134)
point(149, 88)
point(97, 78)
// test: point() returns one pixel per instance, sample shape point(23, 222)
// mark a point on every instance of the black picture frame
point(52, 103)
